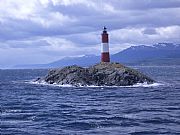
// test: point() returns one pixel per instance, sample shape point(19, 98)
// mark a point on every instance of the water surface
point(31, 109)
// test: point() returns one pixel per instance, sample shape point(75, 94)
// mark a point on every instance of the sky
point(42, 31)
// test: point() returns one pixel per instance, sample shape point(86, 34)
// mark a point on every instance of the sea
point(28, 108)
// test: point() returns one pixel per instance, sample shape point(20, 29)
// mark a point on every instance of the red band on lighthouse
point(105, 47)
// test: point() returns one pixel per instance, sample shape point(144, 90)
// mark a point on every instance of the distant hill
point(157, 54)
point(143, 53)
point(82, 61)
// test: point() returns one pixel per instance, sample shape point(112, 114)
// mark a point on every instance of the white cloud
point(33, 10)
point(169, 32)
point(63, 47)
point(71, 2)
point(52, 19)
point(19, 9)
point(136, 35)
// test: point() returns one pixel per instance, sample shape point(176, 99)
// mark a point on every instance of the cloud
point(25, 44)
point(64, 47)
point(138, 36)
point(57, 28)
point(64, 17)
point(145, 4)
point(150, 31)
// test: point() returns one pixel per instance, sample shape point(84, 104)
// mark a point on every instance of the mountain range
point(157, 54)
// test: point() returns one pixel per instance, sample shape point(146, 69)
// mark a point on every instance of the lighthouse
point(105, 46)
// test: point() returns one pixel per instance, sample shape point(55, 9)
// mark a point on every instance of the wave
point(145, 84)
point(47, 84)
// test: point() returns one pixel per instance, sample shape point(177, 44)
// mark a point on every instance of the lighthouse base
point(105, 57)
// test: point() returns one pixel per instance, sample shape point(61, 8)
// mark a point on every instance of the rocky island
point(102, 74)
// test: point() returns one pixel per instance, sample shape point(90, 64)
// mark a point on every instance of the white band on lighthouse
point(105, 47)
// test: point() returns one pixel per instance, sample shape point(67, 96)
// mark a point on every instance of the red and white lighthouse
point(105, 47)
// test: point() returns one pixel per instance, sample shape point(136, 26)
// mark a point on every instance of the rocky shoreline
point(102, 74)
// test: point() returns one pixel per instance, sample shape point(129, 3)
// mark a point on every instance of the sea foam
point(145, 84)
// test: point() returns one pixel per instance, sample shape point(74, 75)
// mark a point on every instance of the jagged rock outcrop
point(102, 74)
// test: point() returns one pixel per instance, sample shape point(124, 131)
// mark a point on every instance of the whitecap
point(145, 84)
point(47, 84)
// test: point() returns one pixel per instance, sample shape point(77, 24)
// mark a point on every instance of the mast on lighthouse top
point(104, 29)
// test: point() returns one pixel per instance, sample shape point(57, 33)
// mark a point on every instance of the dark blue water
point(31, 109)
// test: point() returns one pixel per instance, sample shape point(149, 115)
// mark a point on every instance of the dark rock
point(102, 74)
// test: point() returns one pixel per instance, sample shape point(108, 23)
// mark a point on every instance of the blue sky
point(41, 31)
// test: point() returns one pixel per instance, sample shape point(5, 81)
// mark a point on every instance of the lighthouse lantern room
point(105, 46)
